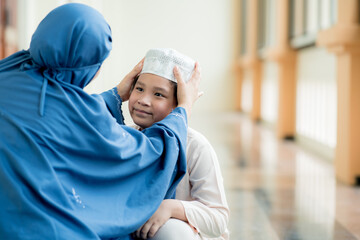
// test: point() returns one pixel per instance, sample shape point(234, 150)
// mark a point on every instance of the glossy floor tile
point(278, 190)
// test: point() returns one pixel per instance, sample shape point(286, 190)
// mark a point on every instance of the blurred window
point(266, 24)
point(243, 30)
point(307, 18)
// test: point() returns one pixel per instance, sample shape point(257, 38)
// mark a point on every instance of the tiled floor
point(276, 189)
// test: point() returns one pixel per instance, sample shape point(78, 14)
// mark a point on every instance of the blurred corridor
point(277, 190)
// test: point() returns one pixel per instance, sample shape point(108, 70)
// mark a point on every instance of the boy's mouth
point(141, 112)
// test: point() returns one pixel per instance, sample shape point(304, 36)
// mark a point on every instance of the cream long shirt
point(201, 190)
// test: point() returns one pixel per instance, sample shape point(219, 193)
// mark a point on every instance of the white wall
point(30, 13)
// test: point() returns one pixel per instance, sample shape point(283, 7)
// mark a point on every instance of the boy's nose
point(144, 100)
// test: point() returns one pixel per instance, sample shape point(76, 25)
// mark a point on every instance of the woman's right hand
point(188, 93)
point(124, 87)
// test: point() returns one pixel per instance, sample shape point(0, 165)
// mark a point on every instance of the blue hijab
point(68, 168)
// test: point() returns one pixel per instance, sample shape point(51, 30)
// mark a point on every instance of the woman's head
point(154, 94)
point(71, 43)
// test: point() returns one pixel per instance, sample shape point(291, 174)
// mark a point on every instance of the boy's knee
point(175, 229)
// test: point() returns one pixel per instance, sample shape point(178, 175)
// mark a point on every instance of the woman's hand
point(188, 93)
point(168, 208)
point(124, 87)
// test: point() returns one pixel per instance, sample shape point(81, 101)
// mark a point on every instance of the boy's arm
point(208, 212)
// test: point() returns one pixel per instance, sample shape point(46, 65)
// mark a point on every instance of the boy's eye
point(140, 89)
point(159, 95)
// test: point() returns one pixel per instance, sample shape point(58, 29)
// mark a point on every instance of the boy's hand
point(150, 228)
point(169, 208)
point(188, 93)
point(124, 87)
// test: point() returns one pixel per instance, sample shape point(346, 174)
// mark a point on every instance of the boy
point(199, 210)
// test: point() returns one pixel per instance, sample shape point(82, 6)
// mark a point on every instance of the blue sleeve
point(174, 124)
point(113, 103)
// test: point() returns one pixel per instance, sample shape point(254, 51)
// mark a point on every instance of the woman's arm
point(114, 97)
point(113, 103)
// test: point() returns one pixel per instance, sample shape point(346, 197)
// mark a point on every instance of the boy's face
point(151, 100)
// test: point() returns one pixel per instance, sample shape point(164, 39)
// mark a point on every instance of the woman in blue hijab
point(69, 169)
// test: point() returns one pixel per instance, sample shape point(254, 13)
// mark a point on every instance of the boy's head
point(154, 94)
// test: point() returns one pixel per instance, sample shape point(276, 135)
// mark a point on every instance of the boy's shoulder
point(192, 133)
point(195, 136)
point(199, 150)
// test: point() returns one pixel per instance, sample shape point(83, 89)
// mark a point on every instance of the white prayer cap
point(161, 62)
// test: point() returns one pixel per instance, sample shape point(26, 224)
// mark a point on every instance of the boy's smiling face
point(151, 100)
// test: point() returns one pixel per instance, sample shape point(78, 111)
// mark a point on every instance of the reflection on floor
point(277, 190)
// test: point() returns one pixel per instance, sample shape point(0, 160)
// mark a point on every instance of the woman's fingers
point(178, 76)
point(188, 92)
point(137, 69)
point(196, 75)
point(124, 87)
